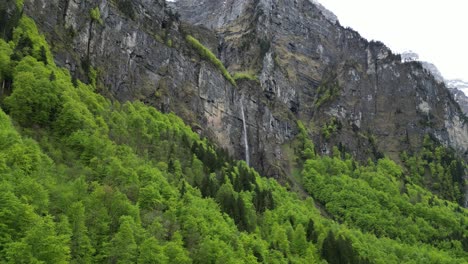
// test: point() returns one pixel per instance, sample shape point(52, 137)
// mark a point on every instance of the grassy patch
point(330, 128)
point(327, 92)
point(246, 75)
point(206, 54)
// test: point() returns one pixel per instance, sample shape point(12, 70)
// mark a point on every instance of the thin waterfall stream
point(246, 142)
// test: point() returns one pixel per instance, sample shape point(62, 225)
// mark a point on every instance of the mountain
point(321, 71)
point(308, 67)
point(290, 63)
point(137, 131)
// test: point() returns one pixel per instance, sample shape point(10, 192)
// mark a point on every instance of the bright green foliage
point(87, 180)
point(375, 199)
point(306, 146)
point(175, 251)
point(206, 54)
point(299, 243)
point(5, 54)
point(35, 99)
point(439, 169)
point(245, 76)
point(81, 248)
point(19, 3)
point(28, 41)
point(124, 247)
point(330, 128)
point(151, 252)
point(95, 15)
point(326, 92)
point(45, 243)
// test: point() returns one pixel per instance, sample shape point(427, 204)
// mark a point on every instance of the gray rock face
point(409, 55)
point(433, 70)
point(309, 68)
point(140, 54)
point(207, 13)
point(459, 90)
point(9, 15)
point(327, 13)
point(376, 93)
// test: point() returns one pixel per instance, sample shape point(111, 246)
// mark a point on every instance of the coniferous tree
point(81, 248)
point(124, 247)
point(299, 243)
point(151, 252)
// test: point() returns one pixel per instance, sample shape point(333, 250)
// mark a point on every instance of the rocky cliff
point(321, 72)
point(349, 92)
point(459, 90)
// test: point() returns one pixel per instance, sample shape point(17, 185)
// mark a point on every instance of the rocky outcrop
point(348, 91)
point(457, 87)
point(459, 90)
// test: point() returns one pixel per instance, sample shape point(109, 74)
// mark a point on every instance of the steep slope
point(300, 64)
point(84, 179)
point(87, 180)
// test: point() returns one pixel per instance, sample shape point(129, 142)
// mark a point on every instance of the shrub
point(330, 127)
point(95, 15)
point(327, 92)
point(245, 76)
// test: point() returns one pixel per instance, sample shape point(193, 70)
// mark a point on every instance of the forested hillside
point(84, 179)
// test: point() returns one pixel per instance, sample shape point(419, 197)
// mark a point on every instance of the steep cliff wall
point(348, 91)
point(141, 53)
point(459, 89)
point(321, 71)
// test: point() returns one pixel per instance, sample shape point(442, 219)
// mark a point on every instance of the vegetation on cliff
point(87, 180)
point(206, 54)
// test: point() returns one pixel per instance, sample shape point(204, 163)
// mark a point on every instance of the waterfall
point(246, 142)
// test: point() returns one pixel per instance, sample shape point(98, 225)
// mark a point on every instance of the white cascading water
point(246, 142)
